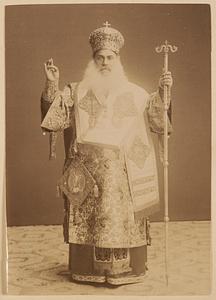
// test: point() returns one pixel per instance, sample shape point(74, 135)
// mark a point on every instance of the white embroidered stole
point(105, 124)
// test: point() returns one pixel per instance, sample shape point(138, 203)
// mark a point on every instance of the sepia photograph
point(108, 149)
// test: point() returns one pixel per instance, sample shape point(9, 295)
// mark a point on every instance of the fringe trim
point(126, 279)
point(89, 278)
point(111, 280)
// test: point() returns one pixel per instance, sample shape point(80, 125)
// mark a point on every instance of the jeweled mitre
point(106, 37)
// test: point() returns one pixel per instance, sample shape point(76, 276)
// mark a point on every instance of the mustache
point(105, 68)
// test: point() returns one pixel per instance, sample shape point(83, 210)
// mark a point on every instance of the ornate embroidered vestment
point(121, 124)
point(110, 173)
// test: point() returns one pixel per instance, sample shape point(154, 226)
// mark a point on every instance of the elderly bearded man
point(109, 183)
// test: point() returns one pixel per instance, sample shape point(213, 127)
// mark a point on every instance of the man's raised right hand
point(51, 71)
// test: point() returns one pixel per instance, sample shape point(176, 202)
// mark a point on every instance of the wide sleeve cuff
point(58, 115)
point(48, 95)
point(155, 113)
point(50, 90)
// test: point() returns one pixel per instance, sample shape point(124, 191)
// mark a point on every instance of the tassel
point(96, 192)
point(53, 139)
point(148, 236)
point(58, 191)
point(75, 146)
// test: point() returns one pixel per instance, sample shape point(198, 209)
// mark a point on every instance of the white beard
point(103, 83)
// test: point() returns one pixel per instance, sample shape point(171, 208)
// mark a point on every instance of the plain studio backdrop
point(34, 33)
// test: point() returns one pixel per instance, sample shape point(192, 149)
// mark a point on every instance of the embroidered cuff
point(156, 114)
point(49, 93)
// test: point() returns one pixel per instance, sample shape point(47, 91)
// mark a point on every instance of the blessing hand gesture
point(51, 71)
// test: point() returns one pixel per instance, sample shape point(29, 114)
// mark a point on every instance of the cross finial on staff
point(166, 47)
point(106, 24)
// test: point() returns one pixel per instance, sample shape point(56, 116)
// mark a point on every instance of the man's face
point(105, 60)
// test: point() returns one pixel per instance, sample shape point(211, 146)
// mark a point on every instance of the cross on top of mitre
point(106, 24)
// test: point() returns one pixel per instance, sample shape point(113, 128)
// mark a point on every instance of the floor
point(38, 263)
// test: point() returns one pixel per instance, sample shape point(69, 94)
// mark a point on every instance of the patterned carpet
point(38, 263)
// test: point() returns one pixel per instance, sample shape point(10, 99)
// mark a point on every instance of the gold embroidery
point(120, 253)
point(106, 38)
point(107, 221)
point(56, 117)
point(112, 261)
point(49, 93)
point(148, 235)
point(123, 107)
point(90, 278)
point(76, 181)
point(125, 279)
point(59, 115)
point(90, 104)
point(143, 180)
point(144, 191)
point(121, 261)
point(102, 254)
point(138, 152)
point(155, 114)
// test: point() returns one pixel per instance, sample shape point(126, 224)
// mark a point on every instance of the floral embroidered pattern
point(145, 191)
point(90, 104)
point(106, 37)
point(125, 279)
point(123, 107)
point(138, 152)
point(143, 180)
point(107, 221)
point(89, 278)
point(121, 253)
point(112, 261)
point(108, 254)
point(59, 114)
point(155, 114)
point(56, 117)
point(51, 87)
point(103, 254)
point(76, 182)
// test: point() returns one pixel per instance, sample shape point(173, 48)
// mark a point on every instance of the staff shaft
point(165, 163)
point(166, 215)
point(166, 95)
